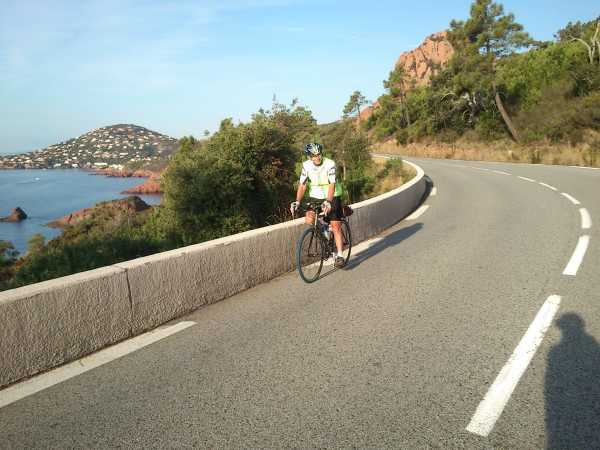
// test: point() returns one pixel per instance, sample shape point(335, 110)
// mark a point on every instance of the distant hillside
point(115, 146)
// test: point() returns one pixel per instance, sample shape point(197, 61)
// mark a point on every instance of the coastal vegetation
point(500, 85)
point(242, 177)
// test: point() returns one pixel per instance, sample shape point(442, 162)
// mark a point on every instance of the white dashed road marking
point(577, 257)
point(548, 186)
point(500, 172)
point(527, 179)
point(433, 191)
point(491, 407)
point(586, 219)
point(571, 199)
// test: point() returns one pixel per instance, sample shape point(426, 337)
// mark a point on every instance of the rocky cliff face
point(421, 64)
point(426, 60)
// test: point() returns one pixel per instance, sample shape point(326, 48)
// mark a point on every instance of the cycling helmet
point(313, 149)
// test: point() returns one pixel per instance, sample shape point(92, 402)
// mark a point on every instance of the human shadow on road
point(572, 388)
point(388, 241)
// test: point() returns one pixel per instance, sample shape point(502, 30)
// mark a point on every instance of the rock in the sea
point(115, 209)
point(16, 215)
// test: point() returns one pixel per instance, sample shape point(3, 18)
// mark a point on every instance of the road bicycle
point(317, 244)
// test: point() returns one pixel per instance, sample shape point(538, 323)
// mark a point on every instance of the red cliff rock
point(16, 215)
point(421, 64)
point(123, 173)
point(150, 186)
point(425, 61)
point(115, 208)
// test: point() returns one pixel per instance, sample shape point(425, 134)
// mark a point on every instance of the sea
point(47, 195)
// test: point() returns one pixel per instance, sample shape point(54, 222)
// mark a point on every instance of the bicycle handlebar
point(308, 206)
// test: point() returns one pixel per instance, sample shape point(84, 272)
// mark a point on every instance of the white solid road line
point(577, 257)
point(40, 382)
point(527, 179)
point(548, 186)
point(588, 168)
point(491, 407)
point(586, 219)
point(571, 199)
point(418, 213)
point(433, 191)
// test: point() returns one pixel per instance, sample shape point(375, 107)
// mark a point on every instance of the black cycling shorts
point(337, 212)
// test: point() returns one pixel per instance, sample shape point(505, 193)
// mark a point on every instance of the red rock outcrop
point(425, 61)
point(116, 209)
point(16, 215)
point(123, 173)
point(150, 186)
point(421, 64)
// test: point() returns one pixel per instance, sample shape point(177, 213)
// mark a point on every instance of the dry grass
point(587, 155)
point(392, 181)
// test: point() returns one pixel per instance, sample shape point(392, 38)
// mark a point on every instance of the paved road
point(397, 351)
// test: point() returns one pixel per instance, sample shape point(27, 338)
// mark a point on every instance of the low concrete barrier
point(47, 324)
point(54, 322)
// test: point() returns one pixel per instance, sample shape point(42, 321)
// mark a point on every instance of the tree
point(486, 37)
point(350, 148)
point(576, 30)
point(238, 178)
point(396, 87)
point(352, 108)
point(36, 243)
point(593, 45)
point(8, 256)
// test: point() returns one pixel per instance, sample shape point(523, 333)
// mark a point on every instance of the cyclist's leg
point(335, 217)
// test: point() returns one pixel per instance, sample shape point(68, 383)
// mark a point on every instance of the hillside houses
point(113, 146)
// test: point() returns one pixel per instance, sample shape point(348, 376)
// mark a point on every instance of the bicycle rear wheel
point(346, 240)
point(310, 253)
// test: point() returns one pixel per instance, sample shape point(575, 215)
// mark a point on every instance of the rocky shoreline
point(114, 208)
point(151, 186)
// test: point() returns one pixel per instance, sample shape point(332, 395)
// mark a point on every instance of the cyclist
point(320, 171)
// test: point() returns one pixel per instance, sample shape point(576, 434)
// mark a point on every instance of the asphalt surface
point(395, 351)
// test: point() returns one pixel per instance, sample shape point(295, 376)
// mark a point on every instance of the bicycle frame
point(318, 227)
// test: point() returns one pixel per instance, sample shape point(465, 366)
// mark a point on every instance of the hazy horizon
point(69, 67)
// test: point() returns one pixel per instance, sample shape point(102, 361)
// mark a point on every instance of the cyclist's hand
point(294, 206)
point(326, 207)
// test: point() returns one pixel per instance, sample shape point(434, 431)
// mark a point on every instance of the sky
point(180, 67)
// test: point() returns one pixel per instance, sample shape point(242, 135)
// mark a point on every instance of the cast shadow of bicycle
point(572, 388)
point(388, 241)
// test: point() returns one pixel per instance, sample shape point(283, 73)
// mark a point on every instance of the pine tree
point(481, 41)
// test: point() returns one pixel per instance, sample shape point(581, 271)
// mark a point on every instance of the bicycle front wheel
point(346, 240)
point(310, 253)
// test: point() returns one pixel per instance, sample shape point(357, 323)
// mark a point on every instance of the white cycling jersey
point(320, 178)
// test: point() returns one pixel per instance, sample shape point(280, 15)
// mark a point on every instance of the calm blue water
point(46, 195)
